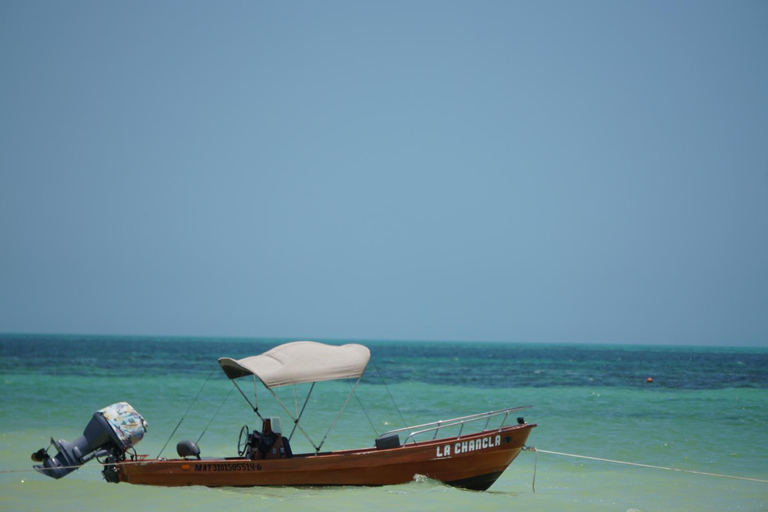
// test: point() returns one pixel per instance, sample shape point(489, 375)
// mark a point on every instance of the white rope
point(525, 448)
point(83, 466)
point(535, 463)
point(531, 448)
point(3, 471)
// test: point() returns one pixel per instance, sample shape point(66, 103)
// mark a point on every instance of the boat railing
point(461, 422)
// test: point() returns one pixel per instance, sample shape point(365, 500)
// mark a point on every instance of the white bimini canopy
point(299, 362)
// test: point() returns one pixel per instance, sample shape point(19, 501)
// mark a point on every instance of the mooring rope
point(214, 415)
point(525, 448)
point(535, 463)
point(364, 411)
point(32, 470)
point(82, 466)
point(185, 414)
point(650, 466)
point(388, 392)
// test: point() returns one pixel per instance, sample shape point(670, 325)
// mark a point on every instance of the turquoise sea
point(706, 410)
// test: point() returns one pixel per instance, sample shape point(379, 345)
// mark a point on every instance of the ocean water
point(706, 410)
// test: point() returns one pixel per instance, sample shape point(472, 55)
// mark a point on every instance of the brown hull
point(475, 462)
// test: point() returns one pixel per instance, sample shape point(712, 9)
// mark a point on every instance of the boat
point(469, 452)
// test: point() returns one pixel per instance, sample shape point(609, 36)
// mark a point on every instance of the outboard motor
point(111, 432)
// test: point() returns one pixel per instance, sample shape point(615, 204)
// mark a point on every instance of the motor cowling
point(111, 432)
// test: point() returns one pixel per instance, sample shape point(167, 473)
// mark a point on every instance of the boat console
point(267, 444)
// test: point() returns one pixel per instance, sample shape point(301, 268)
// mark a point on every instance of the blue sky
point(504, 171)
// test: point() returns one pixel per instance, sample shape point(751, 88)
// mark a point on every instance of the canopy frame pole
point(300, 414)
point(339, 415)
point(296, 420)
point(255, 408)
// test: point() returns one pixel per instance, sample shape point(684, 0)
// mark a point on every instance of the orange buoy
point(649, 380)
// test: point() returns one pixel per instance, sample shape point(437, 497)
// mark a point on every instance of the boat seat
point(287, 452)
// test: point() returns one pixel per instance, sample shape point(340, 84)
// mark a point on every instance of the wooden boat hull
point(474, 461)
